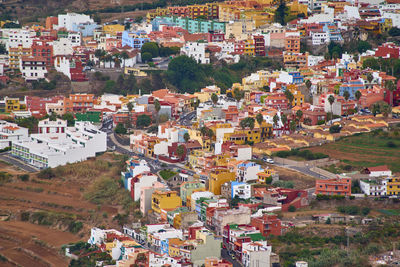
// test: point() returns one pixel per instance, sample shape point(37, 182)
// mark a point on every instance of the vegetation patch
point(167, 174)
point(305, 154)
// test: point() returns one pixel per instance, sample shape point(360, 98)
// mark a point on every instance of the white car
point(270, 161)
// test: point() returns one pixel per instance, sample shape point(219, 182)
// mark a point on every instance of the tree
point(394, 31)
point(289, 97)
point(214, 98)
point(69, 117)
point(356, 57)
point(120, 129)
point(281, 12)
point(247, 122)
point(299, 115)
point(346, 95)
point(238, 94)
point(157, 107)
point(186, 136)
point(259, 119)
point(331, 100)
point(369, 77)
point(292, 126)
point(308, 84)
point(357, 94)
point(363, 46)
point(283, 119)
point(307, 121)
point(180, 150)
point(275, 119)
point(186, 74)
point(391, 87)
point(143, 121)
point(146, 57)
point(335, 128)
point(150, 47)
point(3, 49)
point(124, 57)
point(327, 56)
point(100, 54)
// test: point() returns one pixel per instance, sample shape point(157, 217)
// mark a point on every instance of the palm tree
point(157, 107)
point(390, 86)
point(130, 107)
point(331, 100)
point(283, 119)
point(99, 53)
point(238, 95)
point(214, 98)
point(357, 95)
point(180, 150)
point(292, 126)
point(356, 57)
point(299, 115)
point(289, 97)
point(117, 59)
point(259, 119)
point(308, 84)
point(346, 95)
point(124, 56)
point(369, 77)
point(275, 119)
point(186, 136)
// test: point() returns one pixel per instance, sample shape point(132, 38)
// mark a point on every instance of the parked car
point(268, 160)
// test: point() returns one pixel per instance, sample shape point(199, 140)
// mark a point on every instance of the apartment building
point(338, 186)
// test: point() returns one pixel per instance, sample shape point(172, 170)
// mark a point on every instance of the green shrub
point(23, 177)
point(46, 174)
point(25, 216)
point(292, 208)
point(5, 177)
point(391, 144)
point(75, 227)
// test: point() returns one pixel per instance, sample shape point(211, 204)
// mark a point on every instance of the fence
point(309, 163)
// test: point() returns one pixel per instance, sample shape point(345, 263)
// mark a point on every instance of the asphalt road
point(186, 119)
point(17, 162)
point(305, 170)
point(225, 255)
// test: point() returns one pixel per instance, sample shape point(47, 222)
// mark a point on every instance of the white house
point(139, 181)
point(32, 68)
point(379, 171)
point(372, 187)
point(15, 37)
point(241, 190)
point(11, 132)
point(48, 126)
point(197, 51)
point(76, 144)
point(255, 254)
point(74, 38)
point(68, 20)
point(62, 46)
point(320, 38)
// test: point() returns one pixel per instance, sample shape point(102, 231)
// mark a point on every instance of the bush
point(391, 144)
point(25, 216)
point(328, 221)
point(75, 227)
point(5, 177)
point(23, 177)
point(46, 174)
point(335, 128)
point(292, 208)
point(120, 129)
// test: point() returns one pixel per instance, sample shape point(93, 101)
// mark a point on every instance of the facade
point(195, 25)
point(338, 186)
point(76, 144)
point(197, 51)
point(11, 132)
point(134, 39)
point(33, 68)
point(78, 102)
point(393, 186)
point(267, 224)
point(16, 53)
point(70, 20)
point(43, 49)
point(223, 217)
point(374, 187)
point(217, 178)
point(164, 200)
point(240, 190)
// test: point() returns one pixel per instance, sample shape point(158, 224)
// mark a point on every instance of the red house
point(215, 36)
point(259, 45)
point(388, 50)
point(395, 96)
point(268, 224)
point(44, 49)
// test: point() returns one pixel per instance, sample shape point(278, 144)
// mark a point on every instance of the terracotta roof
point(378, 168)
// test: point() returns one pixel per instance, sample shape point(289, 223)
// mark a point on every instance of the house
point(71, 67)
point(75, 144)
point(49, 126)
point(256, 253)
point(197, 51)
point(393, 186)
point(11, 132)
point(240, 190)
point(373, 187)
point(224, 217)
point(338, 186)
point(378, 171)
point(267, 224)
point(70, 20)
point(165, 200)
point(134, 39)
point(146, 196)
point(217, 177)
point(33, 68)
point(187, 188)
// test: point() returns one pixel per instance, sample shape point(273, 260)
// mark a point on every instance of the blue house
point(352, 87)
point(134, 39)
point(297, 77)
point(86, 29)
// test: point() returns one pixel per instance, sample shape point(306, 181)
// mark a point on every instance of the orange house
point(337, 186)
point(78, 102)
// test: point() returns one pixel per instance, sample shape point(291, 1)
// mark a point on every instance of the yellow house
point(295, 8)
point(14, 104)
point(393, 186)
point(165, 200)
point(249, 47)
point(263, 176)
point(218, 177)
point(298, 97)
point(15, 53)
point(260, 17)
point(110, 244)
point(174, 245)
point(113, 29)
